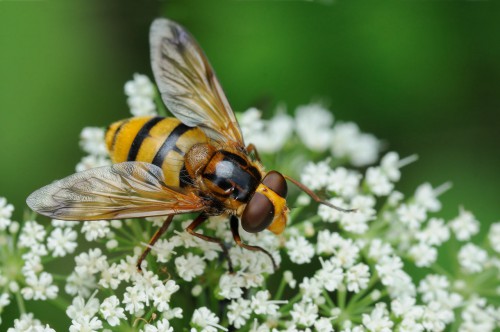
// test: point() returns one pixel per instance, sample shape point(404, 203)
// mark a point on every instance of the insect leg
point(316, 197)
point(153, 240)
point(251, 148)
point(197, 222)
point(237, 239)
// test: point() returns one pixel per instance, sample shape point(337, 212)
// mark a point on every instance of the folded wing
point(124, 190)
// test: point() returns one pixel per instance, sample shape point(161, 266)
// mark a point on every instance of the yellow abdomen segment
point(156, 140)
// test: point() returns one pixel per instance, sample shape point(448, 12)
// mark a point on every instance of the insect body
point(196, 162)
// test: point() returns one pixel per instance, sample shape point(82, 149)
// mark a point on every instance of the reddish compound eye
point(259, 212)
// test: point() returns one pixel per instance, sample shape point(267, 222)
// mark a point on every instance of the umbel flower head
point(377, 269)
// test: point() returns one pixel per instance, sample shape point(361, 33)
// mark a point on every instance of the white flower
point(267, 136)
point(140, 92)
point(95, 229)
point(357, 222)
point(313, 124)
point(141, 106)
point(379, 249)
point(140, 86)
point(478, 316)
point(239, 312)
point(206, 320)
point(91, 161)
point(91, 262)
point(330, 275)
point(162, 325)
point(316, 176)
point(231, 286)
point(164, 249)
point(163, 293)
point(92, 141)
point(327, 242)
point(343, 182)
point(80, 282)
point(394, 198)
point(329, 214)
point(348, 142)
point(426, 197)
point(288, 277)
point(357, 277)
point(27, 323)
point(494, 236)
point(250, 122)
point(436, 317)
point(134, 299)
point(5, 213)
point(62, 242)
point(300, 250)
point(311, 288)
point(323, 324)
point(347, 252)
point(189, 266)
point(378, 182)
point(411, 215)
point(80, 310)
point(472, 258)
point(4, 301)
point(39, 287)
point(304, 313)
point(465, 225)
point(435, 233)
point(404, 306)
point(64, 223)
point(31, 235)
point(261, 304)
point(378, 320)
point(389, 165)
point(434, 288)
point(423, 254)
point(387, 268)
point(111, 311)
point(86, 324)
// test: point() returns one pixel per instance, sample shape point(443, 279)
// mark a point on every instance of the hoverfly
point(196, 162)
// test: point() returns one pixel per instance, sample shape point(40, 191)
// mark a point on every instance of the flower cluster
point(384, 267)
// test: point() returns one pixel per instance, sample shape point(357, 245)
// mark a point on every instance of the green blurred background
point(424, 76)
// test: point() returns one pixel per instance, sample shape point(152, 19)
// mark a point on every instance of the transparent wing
point(125, 190)
point(188, 85)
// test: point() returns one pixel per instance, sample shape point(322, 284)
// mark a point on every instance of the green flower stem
point(328, 299)
point(366, 302)
point(341, 298)
point(483, 277)
point(439, 269)
point(354, 300)
point(281, 288)
point(120, 230)
point(286, 308)
point(20, 302)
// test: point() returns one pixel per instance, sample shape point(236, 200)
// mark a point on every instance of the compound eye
point(259, 212)
point(276, 182)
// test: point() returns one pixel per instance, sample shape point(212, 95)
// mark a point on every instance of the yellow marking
point(151, 144)
point(280, 209)
point(125, 137)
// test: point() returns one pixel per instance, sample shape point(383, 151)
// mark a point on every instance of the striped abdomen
point(157, 140)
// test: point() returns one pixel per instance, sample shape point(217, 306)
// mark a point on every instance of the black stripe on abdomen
point(115, 134)
point(169, 144)
point(141, 136)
